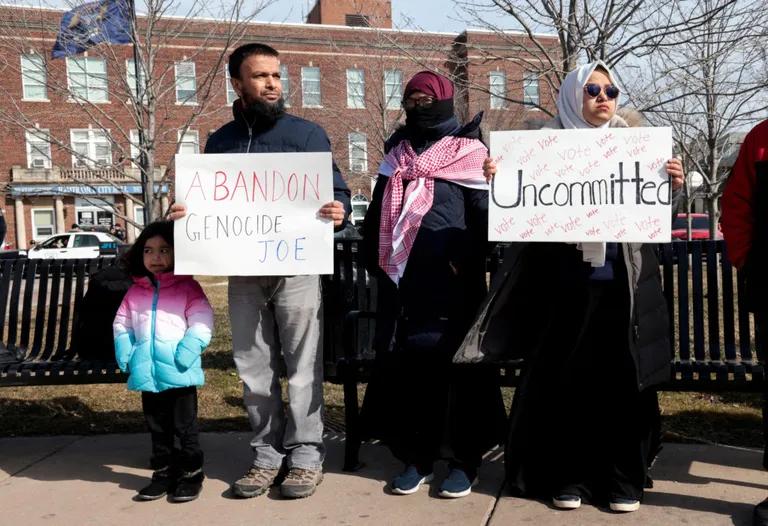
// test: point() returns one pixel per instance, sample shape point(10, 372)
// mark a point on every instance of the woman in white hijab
point(584, 420)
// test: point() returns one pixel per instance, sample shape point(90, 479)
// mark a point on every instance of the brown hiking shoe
point(300, 483)
point(254, 483)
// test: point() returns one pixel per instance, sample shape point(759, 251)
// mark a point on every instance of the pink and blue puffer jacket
point(161, 330)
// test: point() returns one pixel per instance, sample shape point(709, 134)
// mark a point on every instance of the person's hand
point(177, 211)
point(334, 211)
point(489, 169)
point(676, 173)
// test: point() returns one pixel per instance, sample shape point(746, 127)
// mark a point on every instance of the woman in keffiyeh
point(426, 241)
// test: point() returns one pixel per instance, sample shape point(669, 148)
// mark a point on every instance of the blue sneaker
point(409, 481)
point(567, 502)
point(456, 485)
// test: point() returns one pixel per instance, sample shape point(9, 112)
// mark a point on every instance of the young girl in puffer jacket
point(161, 328)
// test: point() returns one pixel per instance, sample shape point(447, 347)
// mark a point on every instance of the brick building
point(68, 132)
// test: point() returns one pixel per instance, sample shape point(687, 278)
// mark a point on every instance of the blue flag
point(93, 23)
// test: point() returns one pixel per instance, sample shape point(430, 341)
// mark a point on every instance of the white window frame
point(95, 138)
point(305, 91)
point(359, 200)
point(35, 234)
point(133, 146)
point(285, 82)
point(185, 101)
point(497, 88)
point(138, 218)
point(194, 134)
point(36, 134)
point(355, 88)
point(230, 92)
point(393, 88)
point(530, 79)
point(37, 78)
point(91, 84)
point(130, 78)
point(362, 145)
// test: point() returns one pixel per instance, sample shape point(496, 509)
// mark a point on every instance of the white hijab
point(570, 98)
point(570, 102)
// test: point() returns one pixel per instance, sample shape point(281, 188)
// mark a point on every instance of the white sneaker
point(625, 505)
point(567, 502)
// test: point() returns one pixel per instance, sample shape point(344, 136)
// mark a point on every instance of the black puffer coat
point(288, 134)
point(444, 280)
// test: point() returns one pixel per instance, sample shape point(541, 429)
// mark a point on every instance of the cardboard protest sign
point(607, 184)
point(254, 214)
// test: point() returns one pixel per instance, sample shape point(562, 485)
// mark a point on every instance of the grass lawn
point(729, 418)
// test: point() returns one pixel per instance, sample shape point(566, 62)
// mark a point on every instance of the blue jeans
point(274, 320)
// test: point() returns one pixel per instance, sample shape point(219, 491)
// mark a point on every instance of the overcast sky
point(432, 15)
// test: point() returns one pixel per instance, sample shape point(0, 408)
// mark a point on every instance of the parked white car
point(75, 245)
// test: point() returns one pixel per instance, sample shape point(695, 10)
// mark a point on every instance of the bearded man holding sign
point(275, 318)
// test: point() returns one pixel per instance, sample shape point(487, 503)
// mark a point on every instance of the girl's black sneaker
point(189, 486)
point(161, 484)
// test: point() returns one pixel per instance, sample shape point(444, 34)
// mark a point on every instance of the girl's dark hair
point(134, 258)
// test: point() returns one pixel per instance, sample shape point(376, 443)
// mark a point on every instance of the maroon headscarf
point(431, 84)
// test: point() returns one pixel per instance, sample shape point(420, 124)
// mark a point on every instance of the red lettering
point(293, 187)
point(240, 183)
point(222, 184)
point(315, 187)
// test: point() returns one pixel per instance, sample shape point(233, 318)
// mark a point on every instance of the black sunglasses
point(423, 102)
point(593, 90)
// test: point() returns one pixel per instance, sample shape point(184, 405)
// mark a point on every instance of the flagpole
point(146, 189)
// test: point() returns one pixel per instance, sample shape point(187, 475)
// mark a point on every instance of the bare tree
point(153, 96)
point(370, 102)
point(586, 30)
point(709, 86)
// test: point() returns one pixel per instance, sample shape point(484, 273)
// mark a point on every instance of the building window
point(393, 88)
point(357, 20)
point(87, 78)
point(285, 81)
point(134, 146)
point(186, 83)
point(190, 142)
point(130, 75)
point(531, 89)
point(498, 89)
point(91, 148)
point(43, 223)
point(359, 208)
point(231, 93)
point(355, 88)
point(38, 149)
point(358, 152)
point(33, 77)
point(95, 211)
point(310, 87)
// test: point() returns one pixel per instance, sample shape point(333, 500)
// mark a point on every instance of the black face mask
point(421, 119)
point(263, 114)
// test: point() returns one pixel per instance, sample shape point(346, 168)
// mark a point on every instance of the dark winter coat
point(444, 280)
point(288, 134)
point(92, 337)
point(523, 305)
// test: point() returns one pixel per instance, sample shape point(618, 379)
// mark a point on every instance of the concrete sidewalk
point(92, 480)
